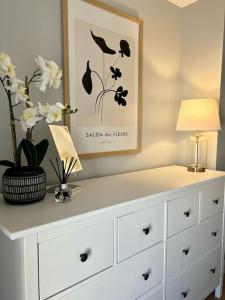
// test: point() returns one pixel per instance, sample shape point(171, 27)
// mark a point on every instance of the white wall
point(29, 27)
point(220, 164)
point(202, 27)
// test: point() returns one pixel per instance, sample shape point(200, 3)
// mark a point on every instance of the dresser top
point(96, 196)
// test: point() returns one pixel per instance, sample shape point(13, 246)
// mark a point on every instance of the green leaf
point(30, 153)
point(7, 163)
point(18, 155)
point(41, 150)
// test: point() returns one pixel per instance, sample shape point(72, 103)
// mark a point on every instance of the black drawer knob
point(186, 251)
point(146, 230)
point(145, 276)
point(213, 271)
point(216, 201)
point(187, 213)
point(83, 257)
point(184, 294)
point(214, 233)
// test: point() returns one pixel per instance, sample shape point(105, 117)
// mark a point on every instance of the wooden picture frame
point(89, 146)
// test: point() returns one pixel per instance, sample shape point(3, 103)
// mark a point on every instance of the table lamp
point(198, 115)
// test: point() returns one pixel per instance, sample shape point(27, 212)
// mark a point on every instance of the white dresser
point(149, 235)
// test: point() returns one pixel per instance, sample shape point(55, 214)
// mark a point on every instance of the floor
point(213, 298)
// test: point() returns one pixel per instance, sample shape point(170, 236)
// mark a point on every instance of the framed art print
point(102, 65)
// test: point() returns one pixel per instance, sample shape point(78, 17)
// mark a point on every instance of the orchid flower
point(52, 113)
point(55, 113)
point(6, 67)
point(29, 117)
point(50, 74)
point(21, 96)
point(55, 74)
point(5, 61)
point(43, 109)
point(13, 84)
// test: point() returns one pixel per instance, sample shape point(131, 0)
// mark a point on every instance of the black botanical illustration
point(113, 71)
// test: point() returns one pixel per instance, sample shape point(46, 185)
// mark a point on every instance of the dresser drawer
point(197, 279)
point(186, 246)
point(212, 199)
point(67, 260)
point(124, 281)
point(140, 230)
point(140, 273)
point(182, 213)
point(156, 295)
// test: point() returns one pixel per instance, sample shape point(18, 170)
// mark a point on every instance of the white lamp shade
point(198, 114)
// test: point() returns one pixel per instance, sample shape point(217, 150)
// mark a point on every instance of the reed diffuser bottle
point(63, 171)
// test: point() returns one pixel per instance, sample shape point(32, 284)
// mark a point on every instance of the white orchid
point(11, 71)
point(44, 78)
point(5, 60)
point(29, 118)
point(19, 91)
point(55, 74)
point(60, 105)
point(44, 109)
point(52, 113)
point(50, 74)
point(41, 62)
point(6, 67)
point(21, 96)
point(13, 84)
point(55, 113)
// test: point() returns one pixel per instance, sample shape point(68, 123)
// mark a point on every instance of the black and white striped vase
point(23, 186)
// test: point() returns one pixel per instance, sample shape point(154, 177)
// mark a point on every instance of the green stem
point(35, 74)
point(13, 127)
point(27, 91)
point(12, 121)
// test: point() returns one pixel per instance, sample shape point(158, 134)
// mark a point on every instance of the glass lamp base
point(196, 168)
point(196, 153)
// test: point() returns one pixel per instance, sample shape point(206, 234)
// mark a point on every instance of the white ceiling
point(182, 3)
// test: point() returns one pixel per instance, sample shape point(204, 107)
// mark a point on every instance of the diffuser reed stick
point(63, 170)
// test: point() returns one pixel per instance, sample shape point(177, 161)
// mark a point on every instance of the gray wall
point(29, 27)
point(220, 164)
point(202, 29)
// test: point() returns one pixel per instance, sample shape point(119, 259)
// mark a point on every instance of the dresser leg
point(219, 291)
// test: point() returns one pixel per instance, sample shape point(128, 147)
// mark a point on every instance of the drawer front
point(183, 248)
point(140, 230)
point(124, 281)
point(140, 273)
point(156, 295)
point(67, 260)
point(99, 289)
point(212, 200)
point(194, 281)
point(182, 213)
